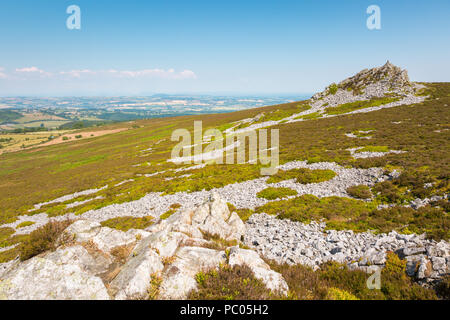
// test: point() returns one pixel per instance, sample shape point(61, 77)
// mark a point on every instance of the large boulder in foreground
point(61, 275)
point(95, 262)
point(212, 217)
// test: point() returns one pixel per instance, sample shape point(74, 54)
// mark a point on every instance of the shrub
point(315, 159)
point(314, 176)
point(79, 136)
point(359, 191)
point(5, 233)
point(155, 283)
point(388, 192)
point(121, 253)
point(308, 207)
point(415, 180)
point(303, 175)
point(443, 288)
point(127, 223)
point(65, 138)
point(333, 88)
point(304, 283)
point(167, 214)
point(42, 239)
point(276, 193)
point(363, 132)
point(396, 285)
point(280, 114)
point(25, 224)
point(175, 206)
point(339, 294)
point(435, 222)
point(230, 283)
point(373, 149)
point(217, 243)
point(245, 214)
point(8, 255)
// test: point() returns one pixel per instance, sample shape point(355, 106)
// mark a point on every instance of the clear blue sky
point(188, 46)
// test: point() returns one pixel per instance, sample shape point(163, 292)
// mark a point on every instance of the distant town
point(24, 114)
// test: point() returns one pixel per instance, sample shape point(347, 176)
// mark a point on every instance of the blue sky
point(233, 47)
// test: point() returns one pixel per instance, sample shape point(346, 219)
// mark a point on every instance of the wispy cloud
point(2, 74)
point(33, 71)
point(156, 73)
point(30, 70)
point(77, 73)
point(150, 73)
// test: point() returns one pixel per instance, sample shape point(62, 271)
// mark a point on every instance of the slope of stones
point(309, 244)
point(241, 195)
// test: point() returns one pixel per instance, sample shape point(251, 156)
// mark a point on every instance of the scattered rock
point(310, 244)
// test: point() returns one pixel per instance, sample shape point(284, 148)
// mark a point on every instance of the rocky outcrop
point(95, 262)
point(372, 83)
point(63, 274)
point(212, 217)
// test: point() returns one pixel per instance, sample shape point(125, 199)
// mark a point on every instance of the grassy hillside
point(8, 115)
point(43, 174)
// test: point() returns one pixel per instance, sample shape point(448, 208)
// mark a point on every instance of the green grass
point(276, 193)
point(280, 114)
point(5, 233)
point(357, 105)
point(363, 132)
point(373, 149)
point(359, 191)
point(303, 175)
point(350, 214)
point(167, 214)
point(333, 88)
point(307, 208)
point(310, 116)
point(25, 224)
point(127, 223)
point(8, 116)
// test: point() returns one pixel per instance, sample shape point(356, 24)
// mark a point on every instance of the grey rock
point(53, 278)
